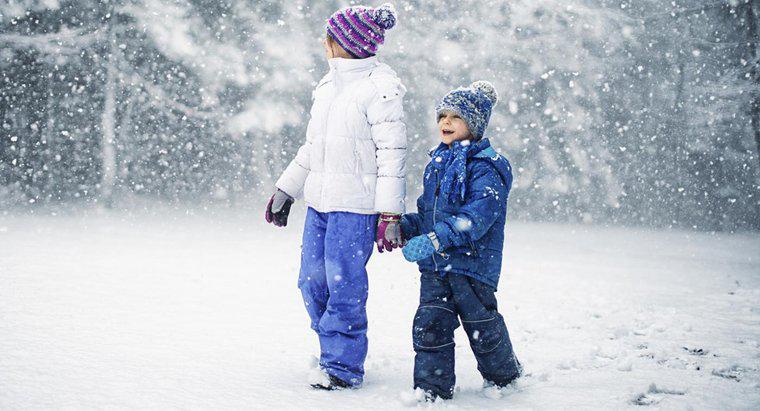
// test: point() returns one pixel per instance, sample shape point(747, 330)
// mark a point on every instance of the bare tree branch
point(62, 41)
point(685, 12)
point(160, 98)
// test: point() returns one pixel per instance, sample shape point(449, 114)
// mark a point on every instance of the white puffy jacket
point(355, 151)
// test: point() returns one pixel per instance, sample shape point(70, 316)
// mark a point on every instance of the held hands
point(388, 232)
point(278, 208)
point(420, 247)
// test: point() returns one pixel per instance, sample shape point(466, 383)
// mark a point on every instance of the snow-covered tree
point(689, 159)
point(636, 112)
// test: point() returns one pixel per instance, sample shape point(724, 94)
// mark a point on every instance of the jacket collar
point(341, 65)
point(480, 145)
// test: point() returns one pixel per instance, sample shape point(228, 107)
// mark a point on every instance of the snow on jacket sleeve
point(486, 195)
point(385, 114)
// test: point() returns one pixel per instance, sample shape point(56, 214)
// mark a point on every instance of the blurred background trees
point(612, 111)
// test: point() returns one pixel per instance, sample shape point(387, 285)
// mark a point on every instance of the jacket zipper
point(472, 247)
point(435, 206)
point(325, 122)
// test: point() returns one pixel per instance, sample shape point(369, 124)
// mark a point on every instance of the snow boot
point(431, 397)
point(503, 383)
point(334, 383)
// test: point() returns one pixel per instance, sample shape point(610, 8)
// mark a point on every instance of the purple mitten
point(388, 232)
point(278, 209)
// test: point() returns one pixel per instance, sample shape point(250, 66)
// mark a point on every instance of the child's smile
point(452, 127)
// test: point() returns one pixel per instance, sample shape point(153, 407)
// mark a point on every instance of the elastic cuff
point(407, 228)
point(434, 240)
point(443, 232)
point(390, 217)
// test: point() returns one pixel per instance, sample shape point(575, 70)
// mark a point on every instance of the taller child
point(351, 172)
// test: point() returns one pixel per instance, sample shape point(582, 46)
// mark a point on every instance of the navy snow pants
point(442, 300)
point(333, 281)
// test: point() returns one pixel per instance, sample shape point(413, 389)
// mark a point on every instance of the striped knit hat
point(360, 29)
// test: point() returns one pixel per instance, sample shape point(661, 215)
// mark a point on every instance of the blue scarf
point(453, 163)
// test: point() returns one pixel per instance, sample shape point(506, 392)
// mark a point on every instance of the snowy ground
point(202, 312)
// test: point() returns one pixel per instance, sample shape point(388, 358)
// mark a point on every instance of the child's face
point(333, 49)
point(452, 127)
point(327, 44)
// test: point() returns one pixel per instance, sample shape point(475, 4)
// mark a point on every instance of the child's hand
point(278, 209)
point(388, 232)
point(419, 248)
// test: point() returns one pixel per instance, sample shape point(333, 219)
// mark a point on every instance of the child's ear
point(331, 46)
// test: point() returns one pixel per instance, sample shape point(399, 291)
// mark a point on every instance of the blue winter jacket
point(471, 231)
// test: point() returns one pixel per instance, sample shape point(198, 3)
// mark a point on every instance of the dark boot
point(503, 382)
point(334, 384)
point(431, 396)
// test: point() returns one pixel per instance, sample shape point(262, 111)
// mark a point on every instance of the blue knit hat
point(473, 104)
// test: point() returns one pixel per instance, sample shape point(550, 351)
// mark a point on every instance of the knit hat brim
point(441, 109)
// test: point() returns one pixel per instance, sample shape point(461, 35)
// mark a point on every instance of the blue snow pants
point(442, 300)
point(333, 281)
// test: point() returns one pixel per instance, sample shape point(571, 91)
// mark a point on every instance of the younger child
point(457, 236)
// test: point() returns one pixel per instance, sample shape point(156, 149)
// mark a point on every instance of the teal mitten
point(418, 248)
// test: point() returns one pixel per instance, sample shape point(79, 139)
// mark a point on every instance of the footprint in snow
point(695, 351)
point(733, 372)
point(654, 395)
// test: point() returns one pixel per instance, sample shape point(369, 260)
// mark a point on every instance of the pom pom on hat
point(486, 88)
point(385, 16)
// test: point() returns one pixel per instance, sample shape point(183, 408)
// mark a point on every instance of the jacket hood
point(486, 152)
